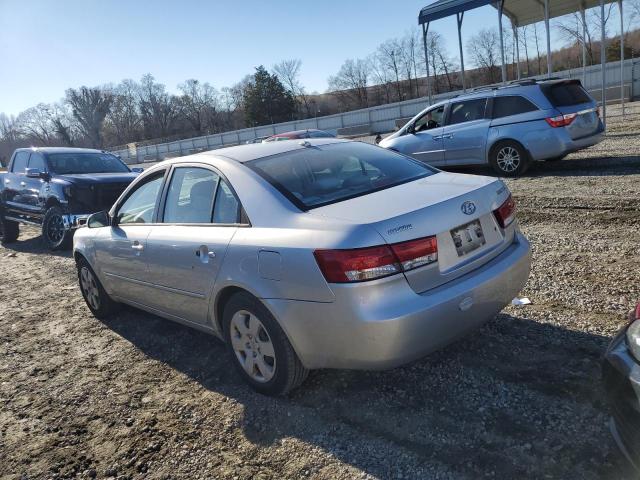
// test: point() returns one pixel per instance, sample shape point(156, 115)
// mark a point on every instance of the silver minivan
point(506, 127)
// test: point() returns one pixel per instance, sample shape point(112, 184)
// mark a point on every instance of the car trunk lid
point(457, 209)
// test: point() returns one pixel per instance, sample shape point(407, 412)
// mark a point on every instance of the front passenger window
point(140, 205)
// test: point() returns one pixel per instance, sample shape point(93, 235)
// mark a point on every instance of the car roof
point(46, 150)
point(296, 132)
point(254, 151)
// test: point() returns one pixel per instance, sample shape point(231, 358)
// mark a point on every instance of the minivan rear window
point(315, 176)
point(566, 94)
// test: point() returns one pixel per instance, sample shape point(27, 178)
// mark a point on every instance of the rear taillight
point(506, 213)
point(561, 120)
point(370, 263)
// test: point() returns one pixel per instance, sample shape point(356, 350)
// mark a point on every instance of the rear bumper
point(562, 144)
point(621, 376)
point(384, 324)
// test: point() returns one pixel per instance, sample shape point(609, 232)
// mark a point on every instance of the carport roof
point(521, 12)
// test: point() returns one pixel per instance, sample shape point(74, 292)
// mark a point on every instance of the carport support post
point(425, 30)
point(546, 26)
point(504, 66)
point(515, 39)
point(621, 56)
point(460, 17)
point(584, 46)
point(603, 63)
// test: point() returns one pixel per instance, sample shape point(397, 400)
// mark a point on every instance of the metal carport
point(521, 13)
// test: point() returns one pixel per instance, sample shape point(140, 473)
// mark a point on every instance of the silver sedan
point(313, 254)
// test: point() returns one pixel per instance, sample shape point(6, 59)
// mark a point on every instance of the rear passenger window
point(467, 111)
point(227, 208)
point(20, 162)
point(512, 105)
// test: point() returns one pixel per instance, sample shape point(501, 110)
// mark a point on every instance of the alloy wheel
point(90, 288)
point(508, 159)
point(253, 347)
point(55, 229)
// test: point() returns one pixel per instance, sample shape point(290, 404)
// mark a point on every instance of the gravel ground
point(141, 397)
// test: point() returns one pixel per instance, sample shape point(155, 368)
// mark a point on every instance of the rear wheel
point(259, 347)
point(96, 298)
point(54, 233)
point(509, 159)
point(9, 230)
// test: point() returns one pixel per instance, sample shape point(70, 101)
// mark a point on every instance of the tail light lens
point(506, 213)
point(561, 120)
point(360, 264)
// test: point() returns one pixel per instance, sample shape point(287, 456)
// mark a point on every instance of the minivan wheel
point(96, 298)
point(509, 159)
point(53, 231)
point(259, 348)
point(9, 230)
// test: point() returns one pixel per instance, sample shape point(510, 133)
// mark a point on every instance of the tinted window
point(566, 94)
point(316, 176)
point(512, 105)
point(431, 119)
point(190, 196)
point(320, 134)
point(467, 111)
point(37, 161)
point(20, 162)
point(227, 208)
point(64, 163)
point(140, 205)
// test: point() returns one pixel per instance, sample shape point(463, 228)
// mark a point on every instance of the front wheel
point(96, 298)
point(259, 347)
point(509, 159)
point(54, 233)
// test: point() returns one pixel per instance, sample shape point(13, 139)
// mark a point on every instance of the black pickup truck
point(58, 188)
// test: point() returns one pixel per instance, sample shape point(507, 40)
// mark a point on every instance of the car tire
point(9, 230)
point(53, 232)
point(94, 294)
point(256, 342)
point(509, 159)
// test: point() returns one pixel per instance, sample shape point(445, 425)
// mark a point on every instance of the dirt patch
point(141, 397)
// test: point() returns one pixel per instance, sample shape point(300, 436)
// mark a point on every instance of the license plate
point(468, 237)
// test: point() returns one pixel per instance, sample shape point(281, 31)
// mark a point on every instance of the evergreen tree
point(266, 100)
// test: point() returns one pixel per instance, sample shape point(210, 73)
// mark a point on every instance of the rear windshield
point(321, 175)
point(67, 163)
point(566, 94)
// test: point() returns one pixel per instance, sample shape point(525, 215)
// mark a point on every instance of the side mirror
point(411, 128)
point(32, 173)
point(99, 220)
point(137, 169)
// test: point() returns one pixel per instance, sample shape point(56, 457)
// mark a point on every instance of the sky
point(47, 46)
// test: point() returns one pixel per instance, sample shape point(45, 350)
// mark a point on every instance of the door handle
point(6, 180)
point(438, 137)
point(204, 254)
point(22, 184)
point(137, 246)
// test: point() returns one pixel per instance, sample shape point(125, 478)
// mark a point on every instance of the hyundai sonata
point(321, 253)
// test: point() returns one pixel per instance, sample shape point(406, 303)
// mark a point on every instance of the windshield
point(321, 175)
point(66, 163)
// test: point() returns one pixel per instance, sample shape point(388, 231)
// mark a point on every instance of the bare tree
point(35, 124)
point(124, 120)
point(389, 56)
point(288, 72)
point(158, 109)
point(484, 50)
point(199, 103)
point(90, 107)
point(351, 83)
